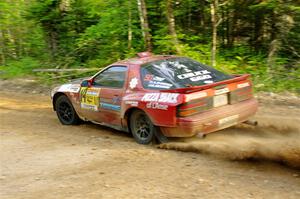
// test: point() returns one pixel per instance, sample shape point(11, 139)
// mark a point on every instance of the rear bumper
point(210, 121)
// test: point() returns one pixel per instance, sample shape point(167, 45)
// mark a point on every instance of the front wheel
point(65, 111)
point(141, 127)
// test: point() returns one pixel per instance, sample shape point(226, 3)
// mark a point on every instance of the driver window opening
point(113, 77)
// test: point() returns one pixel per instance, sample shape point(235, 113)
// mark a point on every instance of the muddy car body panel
point(180, 96)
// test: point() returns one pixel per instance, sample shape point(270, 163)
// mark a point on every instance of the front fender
point(65, 89)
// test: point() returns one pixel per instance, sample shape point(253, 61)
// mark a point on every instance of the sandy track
point(40, 158)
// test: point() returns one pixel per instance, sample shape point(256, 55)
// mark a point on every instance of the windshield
point(178, 72)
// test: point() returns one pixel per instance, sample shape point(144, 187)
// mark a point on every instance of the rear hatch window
point(179, 72)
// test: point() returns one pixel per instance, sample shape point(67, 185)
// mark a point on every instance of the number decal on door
point(89, 98)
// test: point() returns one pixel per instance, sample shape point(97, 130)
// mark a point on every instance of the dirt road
point(40, 158)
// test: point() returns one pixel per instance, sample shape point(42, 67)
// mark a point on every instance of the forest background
point(260, 37)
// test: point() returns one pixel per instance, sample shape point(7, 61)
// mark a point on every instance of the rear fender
point(161, 108)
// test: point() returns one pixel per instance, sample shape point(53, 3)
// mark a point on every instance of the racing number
point(89, 98)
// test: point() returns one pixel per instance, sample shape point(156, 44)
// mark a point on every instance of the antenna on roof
point(144, 54)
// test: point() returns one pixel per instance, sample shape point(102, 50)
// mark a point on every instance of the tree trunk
point(258, 32)
point(129, 25)
point(232, 24)
point(274, 46)
point(213, 10)
point(281, 26)
point(3, 60)
point(11, 39)
point(171, 26)
point(223, 28)
point(227, 28)
point(144, 23)
point(52, 42)
point(189, 17)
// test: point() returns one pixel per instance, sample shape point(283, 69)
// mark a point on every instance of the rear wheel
point(65, 111)
point(141, 127)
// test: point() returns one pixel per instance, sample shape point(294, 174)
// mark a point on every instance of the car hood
point(67, 86)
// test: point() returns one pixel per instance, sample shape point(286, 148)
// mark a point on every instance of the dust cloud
point(273, 139)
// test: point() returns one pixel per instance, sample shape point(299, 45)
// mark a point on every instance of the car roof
point(139, 60)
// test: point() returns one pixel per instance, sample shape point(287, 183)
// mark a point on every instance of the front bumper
point(213, 120)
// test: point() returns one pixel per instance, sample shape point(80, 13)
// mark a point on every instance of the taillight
point(194, 107)
point(223, 95)
point(240, 94)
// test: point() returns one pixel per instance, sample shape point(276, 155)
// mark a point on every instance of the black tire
point(142, 128)
point(65, 111)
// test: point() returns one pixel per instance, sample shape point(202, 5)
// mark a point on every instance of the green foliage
point(107, 41)
point(200, 52)
point(278, 82)
point(19, 68)
point(89, 33)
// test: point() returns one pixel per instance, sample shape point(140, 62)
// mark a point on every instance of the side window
point(113, 77)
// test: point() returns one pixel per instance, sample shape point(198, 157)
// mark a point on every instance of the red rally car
point(157, 96)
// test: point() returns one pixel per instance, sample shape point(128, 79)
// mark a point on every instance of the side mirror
point(86, 83)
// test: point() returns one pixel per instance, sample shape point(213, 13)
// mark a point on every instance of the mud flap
point(160, 138)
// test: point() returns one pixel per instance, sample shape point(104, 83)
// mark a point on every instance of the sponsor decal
point(243, 85)
point(221, 91)
point(199, 78)
point(133, 83)
point(196, 95)
point(208, 82)
point(160, 79)
point(73, 88)
point(168, 97)
point(160, 97)
point(157, 84)
point(89, 107)
point(132, 103)
point(149, 77)
point(170, 69)
point(92, 92)
point(156, 105)
point(151, 97)
point(196, 76)
point(108, 106)
point(89, 98)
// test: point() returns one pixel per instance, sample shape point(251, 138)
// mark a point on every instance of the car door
point(108, 87)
